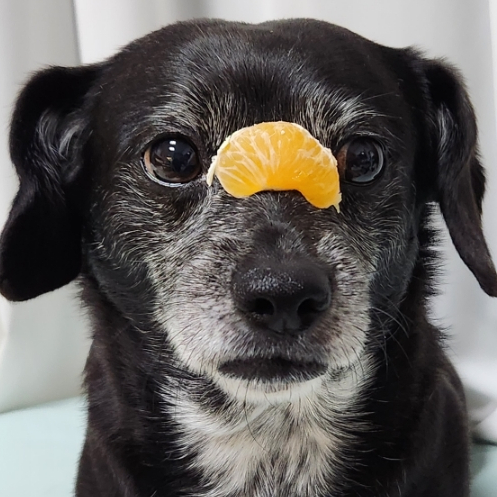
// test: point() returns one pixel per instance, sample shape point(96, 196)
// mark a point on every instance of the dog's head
point(265, 291)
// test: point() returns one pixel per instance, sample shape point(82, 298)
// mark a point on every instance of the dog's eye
point(172, 161)
point(360, 161)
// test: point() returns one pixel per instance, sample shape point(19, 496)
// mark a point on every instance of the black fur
point(85, 207)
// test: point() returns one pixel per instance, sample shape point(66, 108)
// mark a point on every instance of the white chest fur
point(288, 449)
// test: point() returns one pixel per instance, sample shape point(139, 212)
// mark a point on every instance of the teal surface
point(484, 468)
point(40, 447)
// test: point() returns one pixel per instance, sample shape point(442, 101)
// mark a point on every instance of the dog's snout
point(284, 297)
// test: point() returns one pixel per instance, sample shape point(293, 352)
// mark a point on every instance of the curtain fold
point(462, 31)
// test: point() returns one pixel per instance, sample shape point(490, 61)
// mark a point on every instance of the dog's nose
point(284, 297)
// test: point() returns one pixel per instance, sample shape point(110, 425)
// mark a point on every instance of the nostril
point(312, 306)
point(262, 307)
point(307, 307)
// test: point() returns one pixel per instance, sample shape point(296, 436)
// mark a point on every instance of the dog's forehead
point(211, 78)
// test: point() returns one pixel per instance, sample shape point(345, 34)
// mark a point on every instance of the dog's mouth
point(276, 369)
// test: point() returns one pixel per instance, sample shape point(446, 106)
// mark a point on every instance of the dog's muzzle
point(280, 301)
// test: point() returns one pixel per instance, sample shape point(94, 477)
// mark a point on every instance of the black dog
point(258, 346)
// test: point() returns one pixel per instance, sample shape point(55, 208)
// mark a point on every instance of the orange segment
point(277, 156)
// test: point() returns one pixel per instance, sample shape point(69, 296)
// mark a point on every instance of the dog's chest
point(275, 451)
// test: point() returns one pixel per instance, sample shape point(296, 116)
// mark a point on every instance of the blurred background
point(43, 343)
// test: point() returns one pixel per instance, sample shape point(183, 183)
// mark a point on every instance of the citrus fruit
point(277, 156)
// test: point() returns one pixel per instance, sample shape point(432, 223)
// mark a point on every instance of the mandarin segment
point(277, 156)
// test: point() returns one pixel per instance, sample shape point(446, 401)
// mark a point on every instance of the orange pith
point(277, 156)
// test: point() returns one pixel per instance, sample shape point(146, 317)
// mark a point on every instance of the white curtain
point(43, 343)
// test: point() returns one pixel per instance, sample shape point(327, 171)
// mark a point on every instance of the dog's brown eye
point(172, 160)
point(360, 161)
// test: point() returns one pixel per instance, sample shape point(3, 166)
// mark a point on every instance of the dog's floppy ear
point(40, 244)
point(457, 178)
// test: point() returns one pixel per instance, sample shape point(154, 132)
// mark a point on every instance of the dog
point(254, 347)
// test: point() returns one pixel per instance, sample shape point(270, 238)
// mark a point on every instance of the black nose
point(284, 297)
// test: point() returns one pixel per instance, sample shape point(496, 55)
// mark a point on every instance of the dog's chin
point(259, 380)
